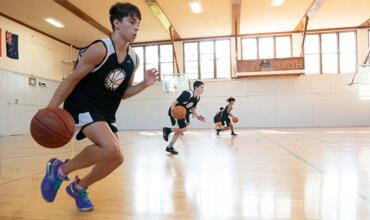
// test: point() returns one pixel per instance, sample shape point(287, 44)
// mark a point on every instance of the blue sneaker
point(51, 182)
point(83, 203)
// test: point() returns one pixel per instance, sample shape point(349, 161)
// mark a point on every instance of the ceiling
point(214, 21)
point(343, 13)
point(256, 16)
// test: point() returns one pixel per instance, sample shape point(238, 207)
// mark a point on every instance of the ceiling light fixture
point(277, 3)
point(196, 7)
point(54, 22)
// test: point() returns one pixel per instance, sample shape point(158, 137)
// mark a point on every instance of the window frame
point(368, 44)
point(159, 56)
point(215, 75)
point(338, 49)
point(274, 40)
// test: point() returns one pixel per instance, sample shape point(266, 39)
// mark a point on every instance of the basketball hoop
point(175, 82)
point(362, 78)
point(362, 75)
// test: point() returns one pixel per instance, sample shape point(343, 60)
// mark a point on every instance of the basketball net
point(362, 78)
point(176, 81)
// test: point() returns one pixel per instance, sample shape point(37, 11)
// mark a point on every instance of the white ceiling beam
point(311, 11)
point(162, 17)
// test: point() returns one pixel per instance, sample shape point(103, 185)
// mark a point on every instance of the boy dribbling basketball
point(189, 100)
point(103, 77)
point(225, 120)
point(217, 119)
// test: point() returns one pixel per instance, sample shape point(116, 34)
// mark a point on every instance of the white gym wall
point(304, 101)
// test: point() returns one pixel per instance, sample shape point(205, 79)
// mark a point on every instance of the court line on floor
point(327, 141)
point(59, 153)
point(32, 157)
point(293, 154)
point(34, 174)
point(20, 178)
point(366, 199)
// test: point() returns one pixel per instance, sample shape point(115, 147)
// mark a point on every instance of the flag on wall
point(0, 42)
point(11, 45)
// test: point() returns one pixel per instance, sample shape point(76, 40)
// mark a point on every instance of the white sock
point(61, 174)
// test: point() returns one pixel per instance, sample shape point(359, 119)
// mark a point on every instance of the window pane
point(166, 53)
point(347, 42)
point(191, 51)
point(283, 47)
point(207, 69)
point(329, 63)
point(329, 52)
point(348, 62)
point(166, 68)
point(191, 59)
point(312, 63)
point(139, 75)
point(166, 59)
point(347, 49)
point(312, 54)
point(329, 43)
point(368, 60)
point(206, 49)
point(192, 69)
point(249, 47)
point(266, 47)
point(151, 57)
point(223, 58)
point(311, 44)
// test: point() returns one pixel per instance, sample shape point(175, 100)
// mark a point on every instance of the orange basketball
point(179, 112)
point(235, 119)
point(219, 125)
point(52, 127)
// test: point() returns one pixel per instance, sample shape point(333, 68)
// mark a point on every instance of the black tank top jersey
point(187, 100)
point(224, 113)
point(103, 88)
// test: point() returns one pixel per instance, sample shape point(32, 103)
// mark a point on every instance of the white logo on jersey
point(189, 105)
point(114, 79)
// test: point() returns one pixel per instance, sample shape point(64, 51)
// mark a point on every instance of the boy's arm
point(150, 77)
point(92, 57)
point(174, 104)
point(199, 117)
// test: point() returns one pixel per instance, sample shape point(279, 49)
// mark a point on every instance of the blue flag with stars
point(11, 45)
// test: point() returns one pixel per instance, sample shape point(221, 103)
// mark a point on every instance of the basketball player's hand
point(201, 118)
point(151, 76)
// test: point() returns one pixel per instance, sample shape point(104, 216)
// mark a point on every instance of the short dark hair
point(121, 10)
point(230, 99)
point(197, 84)
point(221, 108)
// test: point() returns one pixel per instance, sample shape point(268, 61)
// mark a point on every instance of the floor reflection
point(316, 173)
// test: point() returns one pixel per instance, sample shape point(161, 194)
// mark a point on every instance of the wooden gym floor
point(308, 173)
